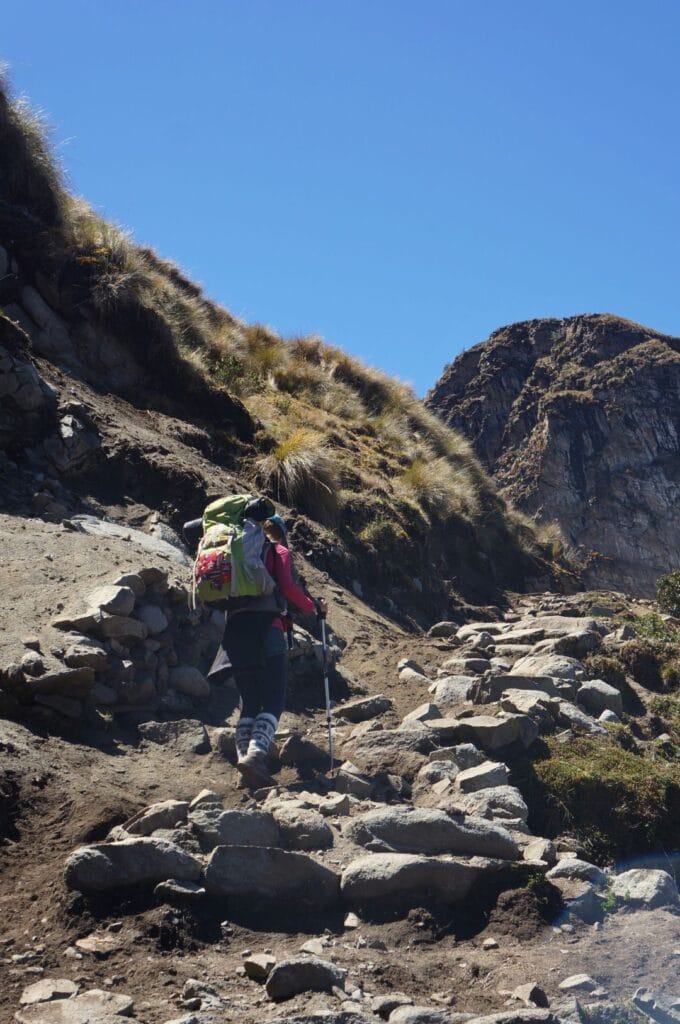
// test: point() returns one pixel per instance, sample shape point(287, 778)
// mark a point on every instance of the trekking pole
point(324, 648)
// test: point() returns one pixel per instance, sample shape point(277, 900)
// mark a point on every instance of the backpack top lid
point(259, 510)
point(234, 508)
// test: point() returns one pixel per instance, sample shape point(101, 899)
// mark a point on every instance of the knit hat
point(279, 523)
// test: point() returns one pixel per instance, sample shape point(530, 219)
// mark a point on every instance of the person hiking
point(254, 648)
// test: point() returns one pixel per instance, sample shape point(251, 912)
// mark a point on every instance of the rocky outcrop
point(579, 421)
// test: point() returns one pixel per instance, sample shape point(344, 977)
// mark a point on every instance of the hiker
point(254, 648)
point(259, 656)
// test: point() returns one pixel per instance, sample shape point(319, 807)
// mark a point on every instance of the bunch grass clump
point(616, 802)
point(301, 471)
point(440, 487)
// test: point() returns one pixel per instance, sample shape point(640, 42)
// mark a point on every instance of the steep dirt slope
point(578, 421)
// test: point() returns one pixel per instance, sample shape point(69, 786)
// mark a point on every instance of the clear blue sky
point(400, 177)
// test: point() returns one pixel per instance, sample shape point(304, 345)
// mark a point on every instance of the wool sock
point(263, 733)
point(244, 730)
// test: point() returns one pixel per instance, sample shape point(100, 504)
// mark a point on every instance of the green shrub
point(668, 710)
point(668, 592)
point(653, 628)
point(600, 666)
point(642, 662)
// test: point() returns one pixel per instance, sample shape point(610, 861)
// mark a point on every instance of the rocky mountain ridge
point(577, 420)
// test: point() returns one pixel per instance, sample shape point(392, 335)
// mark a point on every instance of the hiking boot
point(253, 769)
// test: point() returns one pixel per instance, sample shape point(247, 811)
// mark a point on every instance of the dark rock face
point(579, 421)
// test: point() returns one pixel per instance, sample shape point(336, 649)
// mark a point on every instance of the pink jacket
point(279, 567)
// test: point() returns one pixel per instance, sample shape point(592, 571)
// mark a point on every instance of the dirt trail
point(73, 788)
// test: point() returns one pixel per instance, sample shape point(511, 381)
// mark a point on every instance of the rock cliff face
point(579, 420)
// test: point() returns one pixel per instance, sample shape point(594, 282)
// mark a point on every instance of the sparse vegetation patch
point(617, 803)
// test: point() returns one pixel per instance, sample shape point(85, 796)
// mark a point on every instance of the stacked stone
point(344, 843)
point(122, 651)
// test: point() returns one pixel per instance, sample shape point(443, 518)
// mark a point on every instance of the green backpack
point(230, 558)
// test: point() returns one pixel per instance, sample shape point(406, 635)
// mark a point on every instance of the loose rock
point(483, 776)
point(259, 966)
point(131, 862)
point(47, 989)
point(308, 974)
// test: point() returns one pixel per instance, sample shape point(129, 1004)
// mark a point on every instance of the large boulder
point(452, 690)
point(19, 381)
point(562, 625)
point(383, 876)
point(486, 731)
point(92, 1007)
point(303, 974)
point(574, 867)
point(47, 989)
point(430, 831)
point(86, 652)
point(549, 664)
point(278, 875)
point(597, 696)
point(471, 629)
point(463, 755)
point(302, 828)
point(539, 706)
point(574, 718)
point(482, 776)
point(155, 620)
point(645, 887)
point(491, 689)
point(392, 750)
point(574, 645)
point(112, 599)
point(435, 771)
point(421, 1015)
point(131, 862)
point(518, 1016)
point(363, 708)
point(217, 827)
point(498, 802)
point(188, 680)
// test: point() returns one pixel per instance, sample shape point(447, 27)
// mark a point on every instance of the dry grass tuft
point(301, 471)
point(31, 183)
point(441, 488)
